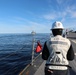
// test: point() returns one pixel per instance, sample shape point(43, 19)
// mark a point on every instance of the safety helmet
point(57, 25)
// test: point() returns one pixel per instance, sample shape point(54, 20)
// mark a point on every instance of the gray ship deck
point(39, 64)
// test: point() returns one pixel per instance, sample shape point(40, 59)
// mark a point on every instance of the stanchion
point(33, 44)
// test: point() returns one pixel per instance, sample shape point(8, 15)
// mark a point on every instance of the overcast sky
point(23, 16)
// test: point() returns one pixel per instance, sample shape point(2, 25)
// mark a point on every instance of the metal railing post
point(33, 44)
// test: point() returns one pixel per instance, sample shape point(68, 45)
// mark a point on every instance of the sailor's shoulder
point(67, 40)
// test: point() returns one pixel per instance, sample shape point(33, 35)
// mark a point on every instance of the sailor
point(57, 52)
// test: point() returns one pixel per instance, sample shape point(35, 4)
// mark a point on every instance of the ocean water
point(15, 51)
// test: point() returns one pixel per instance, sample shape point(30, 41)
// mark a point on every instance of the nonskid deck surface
point(39, 64)
point(31, 69)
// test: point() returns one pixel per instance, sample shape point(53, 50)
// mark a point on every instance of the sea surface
point(16, 50)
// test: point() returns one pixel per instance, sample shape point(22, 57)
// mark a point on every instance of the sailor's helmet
point(57, 25)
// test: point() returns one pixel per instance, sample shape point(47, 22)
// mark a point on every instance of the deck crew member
point(57, 52)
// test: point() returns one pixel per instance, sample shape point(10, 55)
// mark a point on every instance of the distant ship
point(33, 32)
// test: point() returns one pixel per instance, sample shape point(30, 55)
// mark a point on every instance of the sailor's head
point(57, 28)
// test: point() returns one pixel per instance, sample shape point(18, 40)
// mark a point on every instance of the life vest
point(58, 48)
